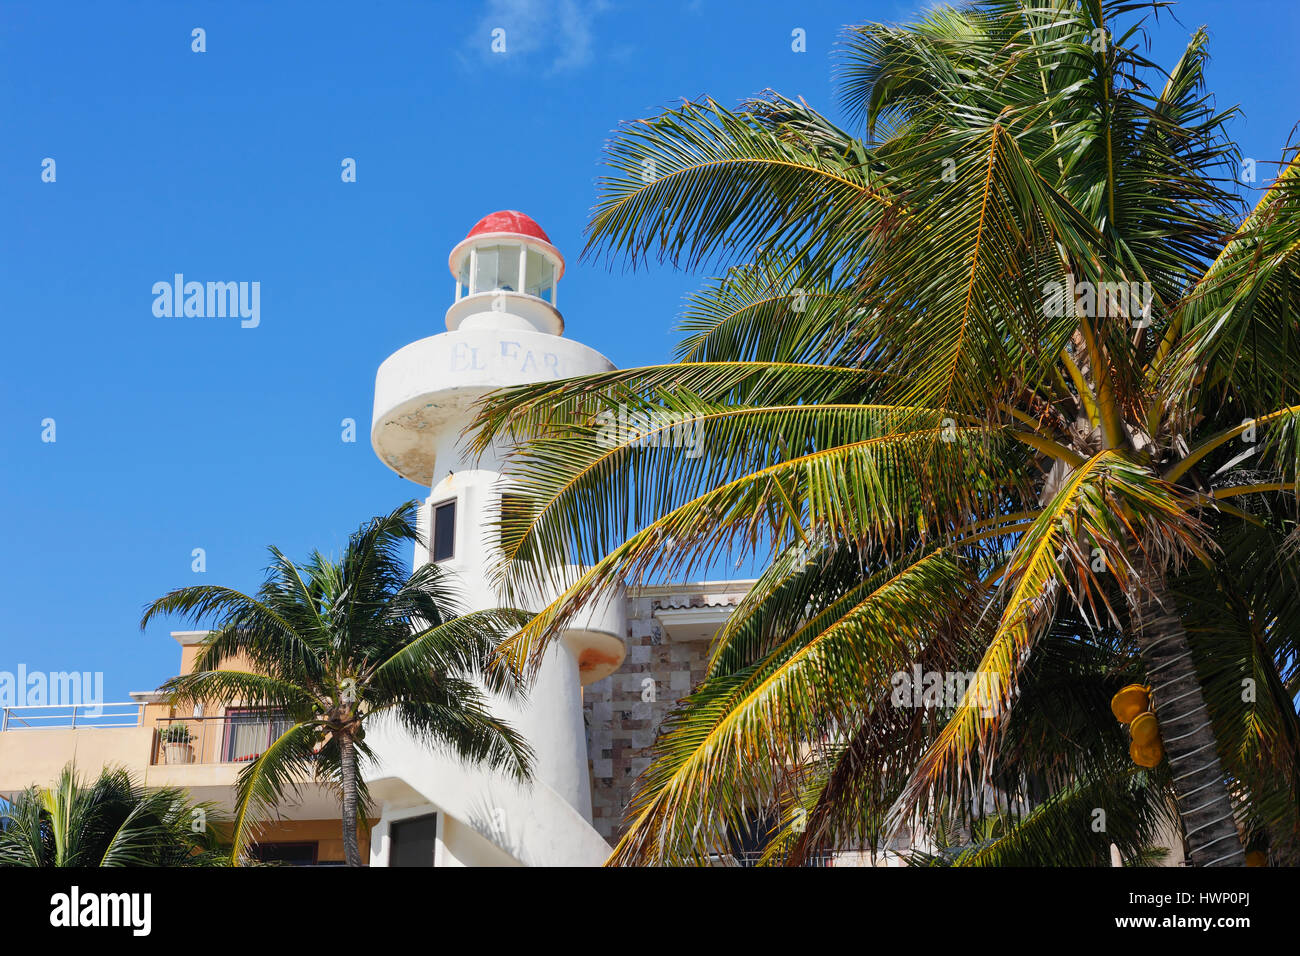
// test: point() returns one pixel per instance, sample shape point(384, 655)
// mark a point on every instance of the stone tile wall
point(623, 712)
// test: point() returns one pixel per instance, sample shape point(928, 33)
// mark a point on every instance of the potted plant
point(176, 743)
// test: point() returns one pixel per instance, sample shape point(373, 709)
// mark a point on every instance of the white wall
point(424, 396)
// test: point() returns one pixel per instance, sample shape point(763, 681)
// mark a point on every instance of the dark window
point(444, 531)
point(289, 854)
point(411, 842)
point(514, 514)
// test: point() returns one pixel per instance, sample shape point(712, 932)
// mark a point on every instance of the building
point(600, 695)
point(201, 752)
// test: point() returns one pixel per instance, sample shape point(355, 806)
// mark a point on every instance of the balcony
point(37, 741)
point(72, 716)
point(202, 754)
point(239, 736)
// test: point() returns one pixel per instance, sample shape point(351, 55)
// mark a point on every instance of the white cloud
point(557, 32)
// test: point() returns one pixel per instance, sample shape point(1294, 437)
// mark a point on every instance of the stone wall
point(624, 711)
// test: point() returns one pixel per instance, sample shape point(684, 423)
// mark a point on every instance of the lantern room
point(506, 272)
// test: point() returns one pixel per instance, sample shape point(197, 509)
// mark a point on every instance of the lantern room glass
point(539, 273)
point(496, 268)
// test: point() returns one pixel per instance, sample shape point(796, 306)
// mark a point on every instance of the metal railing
point(70, 716)
point(749, 859)
point(232, 738)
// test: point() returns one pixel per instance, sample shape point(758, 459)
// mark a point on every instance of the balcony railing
point(232, 738)
point(817, 858)
point(73, 716)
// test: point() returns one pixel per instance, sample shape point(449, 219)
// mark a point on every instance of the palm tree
point(1005, 383)
point(334, 646)
point(112, 822)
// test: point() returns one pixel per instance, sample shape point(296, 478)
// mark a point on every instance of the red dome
point(508, 220)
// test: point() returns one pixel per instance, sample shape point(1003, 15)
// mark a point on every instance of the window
point(496, 267)
point(288, 854)
point(540, 274)
point(443, 539)
point(514, 512)
point(249, 731)
point(411, 842)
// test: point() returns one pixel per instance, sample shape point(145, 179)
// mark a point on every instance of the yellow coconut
point(1129, 702)
point(1145, 728)
point(1146, 755)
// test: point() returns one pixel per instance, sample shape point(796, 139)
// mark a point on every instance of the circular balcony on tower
point(503, 328)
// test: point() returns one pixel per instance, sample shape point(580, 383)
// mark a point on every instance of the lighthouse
point(503, 328)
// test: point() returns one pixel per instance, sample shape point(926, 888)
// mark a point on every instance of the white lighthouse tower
point(503, 328)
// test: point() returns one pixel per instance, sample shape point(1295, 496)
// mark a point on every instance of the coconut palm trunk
point(348, 766)
point(1187, 733)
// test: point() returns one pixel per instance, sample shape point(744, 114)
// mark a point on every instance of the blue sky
point(175, 434)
